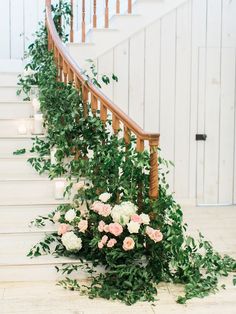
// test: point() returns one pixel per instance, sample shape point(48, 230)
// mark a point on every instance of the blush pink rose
point(116, 229)
point(101, 226)
point(63, 228)
point(106, 228)
point(154, 234)
point(111, 243)
point(128, 244)
point(136, 218)
point(105, 210)
point(97, 206)
point(100, 245)
point(104, 239)
point(83, 225)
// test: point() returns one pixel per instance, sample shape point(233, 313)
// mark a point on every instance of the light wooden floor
point(219, 226)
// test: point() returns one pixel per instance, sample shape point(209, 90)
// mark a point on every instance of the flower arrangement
point(139, 244)
point(111, 227)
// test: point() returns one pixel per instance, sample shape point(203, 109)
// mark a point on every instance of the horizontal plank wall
point(177, 77)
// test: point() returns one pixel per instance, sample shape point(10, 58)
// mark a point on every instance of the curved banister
point(69, 70)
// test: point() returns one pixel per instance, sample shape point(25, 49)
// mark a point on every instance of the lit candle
point(59, 190)
point(22, 129)
point(53, 155)
point(36, 106)
point(38, 123)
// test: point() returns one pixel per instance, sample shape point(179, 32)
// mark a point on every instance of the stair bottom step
point(40, 272)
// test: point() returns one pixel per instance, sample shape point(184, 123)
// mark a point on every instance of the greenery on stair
point(149, 242)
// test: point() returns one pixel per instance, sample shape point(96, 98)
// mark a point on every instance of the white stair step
point(26, 192)
point(23, 215)
point(8, 145)
point(15, 109)
point(16, 166)
point(16, 266)
point(9, 78)
point(8, 93)
point(11, 127)
point(11, 65)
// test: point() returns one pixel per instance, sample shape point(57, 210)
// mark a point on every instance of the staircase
point(120, 26)
point(23, 193)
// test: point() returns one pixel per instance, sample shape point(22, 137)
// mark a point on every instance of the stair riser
point(8, 93)
point(23, 215)
point(27, 192)
point(17, 167)
point(34, 273)
point(15, 127)
point(8, 79)
point(8, 146)
point(14, 110)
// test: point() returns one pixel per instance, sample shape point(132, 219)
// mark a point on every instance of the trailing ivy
point(85, 148)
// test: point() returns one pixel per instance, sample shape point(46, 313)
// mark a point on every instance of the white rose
point(29, 72)
point(70, 215)
point(71, 241)
point(145, 219)
point(56, 217)
point(104, 197)
point(133, 227)
point(129, 208)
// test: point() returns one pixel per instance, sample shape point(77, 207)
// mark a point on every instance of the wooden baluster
point(94, 13)
point(103, 113)
point(129, 6)
point(83, 22)
point(94, 104)
point(70, 75)
point(77, 83)
point(85, 100)
point(140, 145)
point(115, 123)
point(117, 6)
point(153, 188)
point(126, 135)
point(107, 14)
point(65, 71)
point(72, 22)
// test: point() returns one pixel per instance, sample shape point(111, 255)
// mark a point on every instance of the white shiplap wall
point(19, 20)
point(177, 76)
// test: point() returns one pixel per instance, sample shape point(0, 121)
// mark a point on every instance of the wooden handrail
point(70, 71)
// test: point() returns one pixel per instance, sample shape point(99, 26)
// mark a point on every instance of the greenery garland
point(160, 250)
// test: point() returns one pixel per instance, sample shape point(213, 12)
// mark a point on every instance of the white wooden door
point(216, 159)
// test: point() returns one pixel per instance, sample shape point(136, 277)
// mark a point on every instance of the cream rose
point(145, 219)
point(70, 215)
point(104, 197)
point(133, 227)
point(71, 241)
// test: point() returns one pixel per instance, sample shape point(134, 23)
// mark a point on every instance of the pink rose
point(104, 239)
point(97, 206)
point(83, 225)
point(115, 228)
point(136, 218)
point(63, 228)
point(105, 210)
point(154, 234)
point(100, 245)
point(106, 228)
point(128, 244)
point(111, 243)
point(101, 226)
